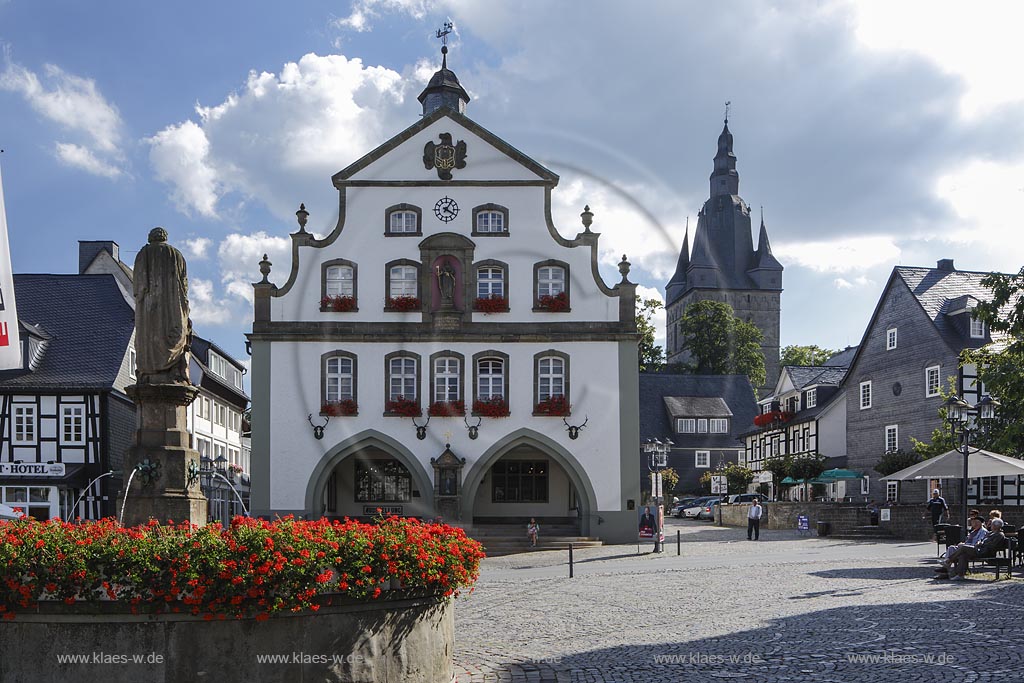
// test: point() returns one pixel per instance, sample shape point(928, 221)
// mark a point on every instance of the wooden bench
point(1004, 557)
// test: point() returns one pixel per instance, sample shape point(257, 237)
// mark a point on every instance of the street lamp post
point(965, 423)
point(657, 452)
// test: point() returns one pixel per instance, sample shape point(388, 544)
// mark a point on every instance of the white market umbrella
point(950, 465)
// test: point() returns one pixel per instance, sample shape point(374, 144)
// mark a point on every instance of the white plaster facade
point(592, 478)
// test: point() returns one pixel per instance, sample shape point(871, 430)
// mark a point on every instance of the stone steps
point(864, 532)
point(508, 539)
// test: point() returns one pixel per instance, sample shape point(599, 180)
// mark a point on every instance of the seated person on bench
point(987, 547)
point(974, 537)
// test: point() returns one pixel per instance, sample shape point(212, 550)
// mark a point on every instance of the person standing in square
point(754, 515)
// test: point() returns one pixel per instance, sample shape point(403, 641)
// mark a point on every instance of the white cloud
point(239, 256)
point(281, 135)
point(364, 11)
point(180, 157)
point(81, 157)
point(658, 319)
point(857, 282)
point(198, 247)
point(205, 308)
point(840, 255)
point(77, 106)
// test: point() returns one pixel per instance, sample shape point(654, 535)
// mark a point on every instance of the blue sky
point(873, 134)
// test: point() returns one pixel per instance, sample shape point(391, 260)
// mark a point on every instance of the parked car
point(744, 498)
point(677, 509)
point(697, 505)
point(708, 510)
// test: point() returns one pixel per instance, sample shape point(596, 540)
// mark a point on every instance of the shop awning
point(950, 465)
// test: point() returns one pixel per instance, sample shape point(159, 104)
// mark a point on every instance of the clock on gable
point(446, 209)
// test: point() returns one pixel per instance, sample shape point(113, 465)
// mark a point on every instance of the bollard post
point(679, 542)
point(570, 560)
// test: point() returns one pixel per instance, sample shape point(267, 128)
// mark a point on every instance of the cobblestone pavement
point(782, 609)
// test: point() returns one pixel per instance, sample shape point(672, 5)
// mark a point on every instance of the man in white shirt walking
point(754, 521)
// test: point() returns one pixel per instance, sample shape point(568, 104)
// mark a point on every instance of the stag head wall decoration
point(474, 430)
point(421, 430)
point(574, 431)
point(318, 430)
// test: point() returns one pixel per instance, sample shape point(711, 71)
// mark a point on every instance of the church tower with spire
point(724, 265)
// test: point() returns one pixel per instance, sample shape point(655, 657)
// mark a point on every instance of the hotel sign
point(371, 510)
point(31, 469)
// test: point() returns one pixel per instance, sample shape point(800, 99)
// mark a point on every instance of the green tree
point(779, 465)
point(705, 483)
point(942, 438)
point(807, 466)
point(805, 355)
point(1001, 364)
point(739, 477)
point(894, 461)
point(652, 356)
point(669, 480)
point(719, 343)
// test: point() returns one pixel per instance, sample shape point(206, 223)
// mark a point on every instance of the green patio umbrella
point(837, 474)
point(791, 481)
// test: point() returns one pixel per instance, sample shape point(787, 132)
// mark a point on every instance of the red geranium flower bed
point(554, 304)
point(557, 405)
point(493, 407)
point(252, 568)
point(491, 304)
point(339, 408)
point(403, 303)
point(447, 409)
point(772, 417)
point(406, 407)
point(340, 304)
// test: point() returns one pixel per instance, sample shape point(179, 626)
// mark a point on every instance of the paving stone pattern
point(785, 608)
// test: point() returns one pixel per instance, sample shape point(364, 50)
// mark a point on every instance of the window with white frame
point(686, 425)
point(702, 459)
point(403, 281)
point(892, 438)
point(403, 222)
point(24, 424)
point(550, 280)
point(550, 377)
point(203, 446)
point(340, 281)
point(702, 425)
point(339, 379)
point(990, 487)
point(718, 425)
point(892, 490)
point(812, 398)
point(73, 424)
point(865, 485)
point(931, 381)
point(490, 379)
point(447, 384)
point(225, 370)
point(890, 339)
point(490, 221)
point(977, 328)
point(490, 282)
point(205, 409)
point(218, 414)
point(402, 378)
point(865, 395)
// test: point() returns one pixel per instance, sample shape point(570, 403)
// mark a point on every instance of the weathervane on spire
point(727, 103)
point(442, 33)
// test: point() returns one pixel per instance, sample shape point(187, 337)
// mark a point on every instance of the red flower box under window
point(556, 406)
point(554, 304)
point(340, 408)
point(339, 304)
point(493, 407)
point(447, 409)
point(405, 407)
point(772, 417)
point(403, 303)
point(491, 304)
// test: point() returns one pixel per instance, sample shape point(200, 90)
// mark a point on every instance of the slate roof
point(935, 289)
point(843, 358)
point(90, 326)
point(210, 380)
point(733, 390)
point(693, 406)
point(807, 375)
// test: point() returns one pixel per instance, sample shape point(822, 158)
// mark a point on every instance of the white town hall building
point(446, 292)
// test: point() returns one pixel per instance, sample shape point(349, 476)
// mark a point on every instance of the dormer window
point(812, 398)
point(490, 219)
point(977, 328)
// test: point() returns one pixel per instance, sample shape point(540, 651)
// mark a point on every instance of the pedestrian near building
point(937, 507)
point(754, 515)
point(532, 531)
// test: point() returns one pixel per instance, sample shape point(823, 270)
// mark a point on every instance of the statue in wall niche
point(163, 331)
point(446, 283)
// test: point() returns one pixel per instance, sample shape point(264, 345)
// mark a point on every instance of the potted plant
point(556, 405)
point(553, 304)
point(494, 303)
point(492, 407)
point(338, 304)
point(402, 304)
point(342, 408)
point(447, 409)
point(403, 407)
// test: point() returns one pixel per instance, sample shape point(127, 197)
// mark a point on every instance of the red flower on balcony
point(492, 407)
point(555, 406)
point(404, 407)
point(403, 303)
point(554, 304)
point(447, 409)
point(340, 408)
point(491, 304)
point(773, 418)
point(339, 304)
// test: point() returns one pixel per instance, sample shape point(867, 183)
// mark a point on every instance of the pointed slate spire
point(725, 180)
point(10, 339)
point(677, 285)
point(764, 257)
